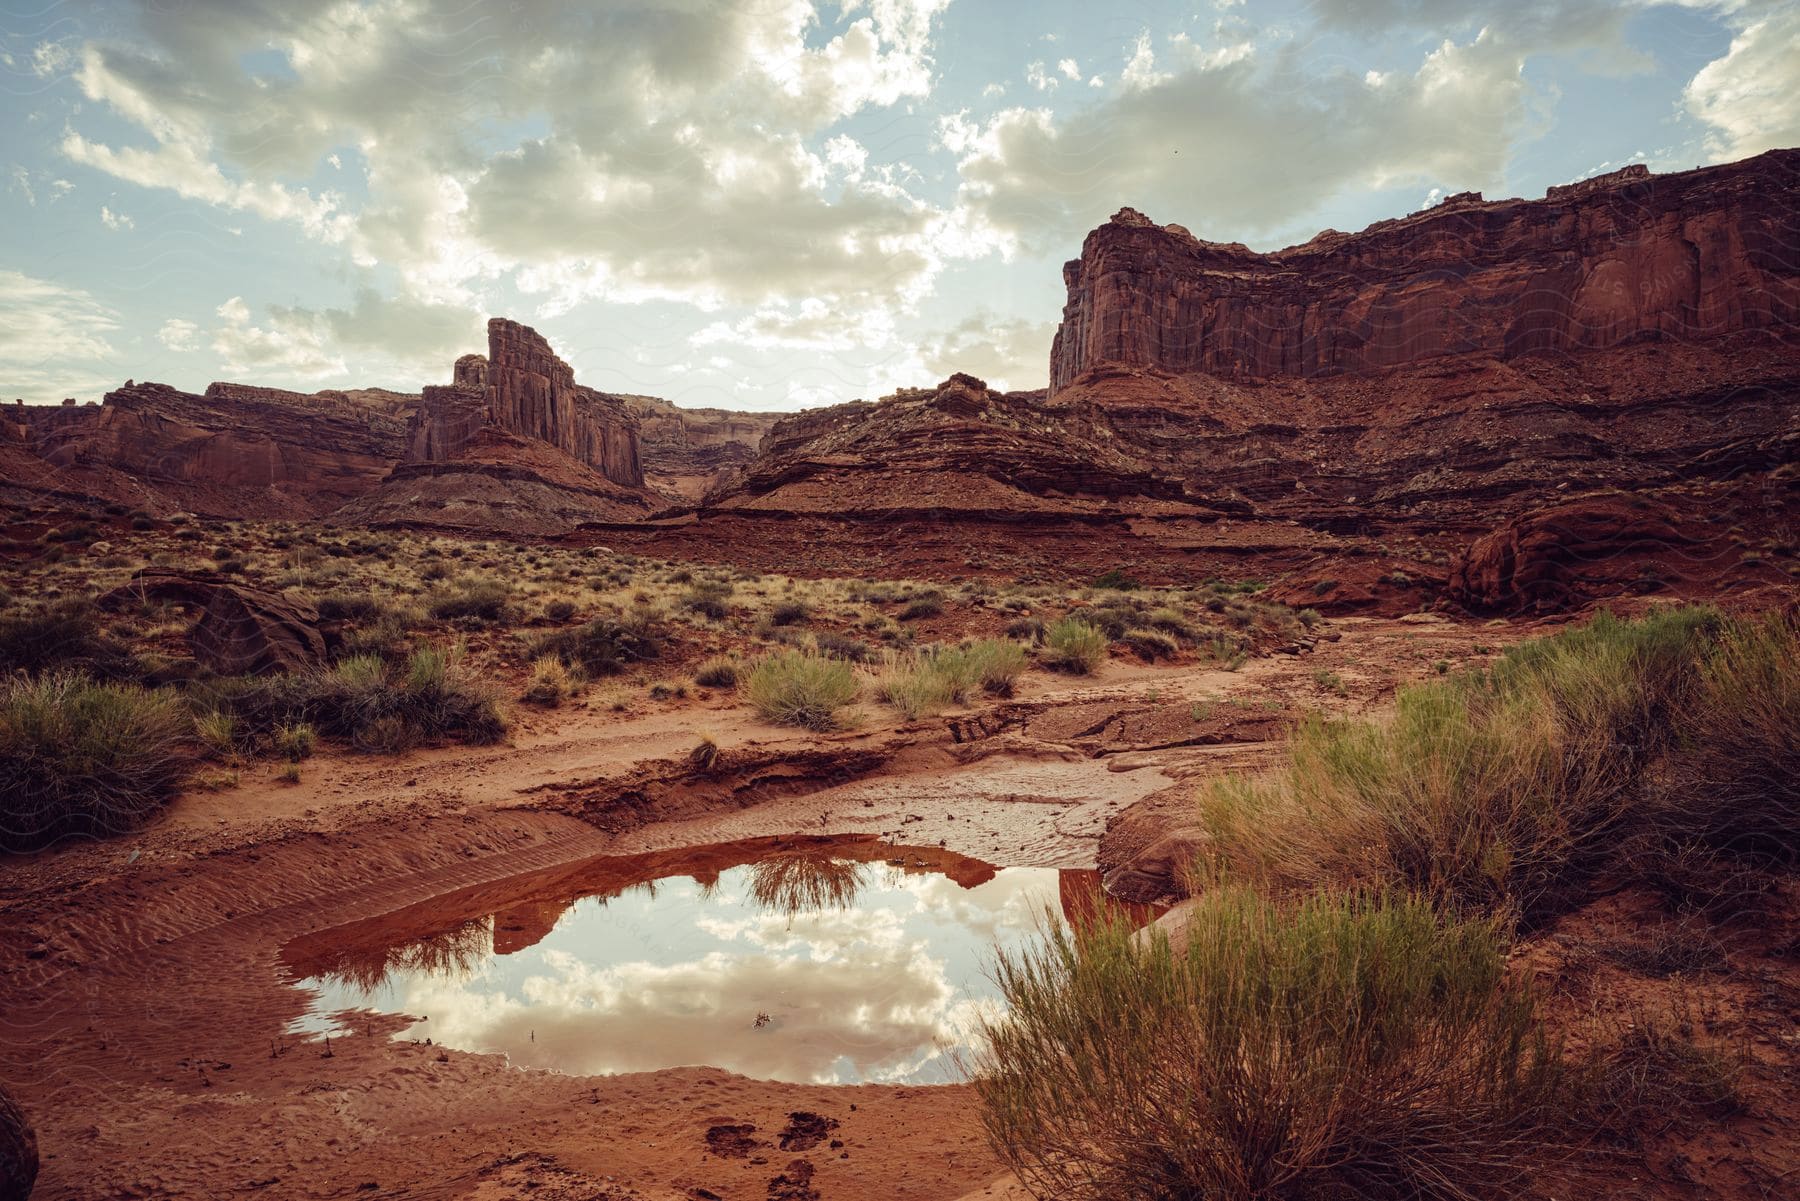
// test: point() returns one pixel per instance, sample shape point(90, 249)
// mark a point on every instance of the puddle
point(832, 961)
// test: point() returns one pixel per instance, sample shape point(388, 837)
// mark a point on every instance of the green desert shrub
point(374, 703)
point(708, 600)
point(1150, 644)
point(474, 598)
point(799, 688)
point(996, 664)
point(1510, 787)
point(294, 742)
point(1074, 646)
point(603, 646)
point(720, 671)
point(1733, 784)
point(928, 604)
point(551, 682)
point(842, 646)
point(85, 758)
point(1341, 1047)
point(913, 685)
point(61, 635)
point(788, 613)
point(388, 707)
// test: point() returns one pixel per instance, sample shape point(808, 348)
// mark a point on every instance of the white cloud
point(1751, 96)
point(417, 337)
point(115, 221)
point(179, 335)
point(1069, 69)
point(1009, 355)
point(53, 339)
point(667, 156)
point(1223, 138)
point(288, 344)
point(810, 324)
point(1039, 78)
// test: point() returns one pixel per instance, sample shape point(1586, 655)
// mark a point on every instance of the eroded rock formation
point(689, 452)
point(512, 445)
point(523, 388)
point(1688, 256)
point(1345, 415)
point(236, 451)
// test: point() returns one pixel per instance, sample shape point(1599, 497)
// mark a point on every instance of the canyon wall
point(689, 452)
point(524, 389)
point(1626, 256)
point(236, 451)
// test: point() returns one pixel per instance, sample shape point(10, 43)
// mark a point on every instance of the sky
point(763, 204)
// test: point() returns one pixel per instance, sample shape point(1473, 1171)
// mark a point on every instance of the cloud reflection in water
point(865, 972)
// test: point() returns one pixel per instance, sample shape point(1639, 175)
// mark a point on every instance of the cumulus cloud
point(415, 336)
point(53, 339)
point(1751, 96)
point(1241, 139)
point(636, 151)
point(1007, 354)
point(179, 335)
point(115, 221)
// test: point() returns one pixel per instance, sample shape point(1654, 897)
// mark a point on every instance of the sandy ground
point(145, 1001)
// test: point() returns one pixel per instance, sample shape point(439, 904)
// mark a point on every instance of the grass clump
point(85, 758)
point(382, 707)
point(63, 635)
point(472, 598)
point(1074, 646)
point(720, 671)
point(551, 682)
point(1343, 1047)
point(798, 688)
point(602, 647)
point(1506, 788)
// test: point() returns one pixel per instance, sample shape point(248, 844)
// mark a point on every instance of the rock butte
point(1501, 389)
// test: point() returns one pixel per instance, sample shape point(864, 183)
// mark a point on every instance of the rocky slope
point(233, 452)
point(688, 452)
point(1367, 407)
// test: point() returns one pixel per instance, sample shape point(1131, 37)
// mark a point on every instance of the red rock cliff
point(1688, 256)
point(532, 392)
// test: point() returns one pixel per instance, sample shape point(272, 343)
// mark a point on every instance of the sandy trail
point(145, 1000)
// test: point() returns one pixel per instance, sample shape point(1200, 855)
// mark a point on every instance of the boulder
point(18, 1151)
point(253, 631)
point(243, 629)
point(1555, 558)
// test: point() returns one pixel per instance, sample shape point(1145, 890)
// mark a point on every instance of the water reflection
point(807, 960)
point(805, 881)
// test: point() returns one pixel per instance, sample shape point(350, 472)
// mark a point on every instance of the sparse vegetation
point(719, 671)
point(799, 688)
point(1511, 788)
point(1343, 1046)
point(1074, 646)
point(85, 758)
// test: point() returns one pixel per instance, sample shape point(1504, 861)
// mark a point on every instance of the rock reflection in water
point(869, 960)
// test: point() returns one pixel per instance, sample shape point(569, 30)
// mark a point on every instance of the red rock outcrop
point(956, 448)
point(243, 629)
point(1343, 416)
point(689, 452)
point(512, 445)
point(235, 452)
point(531, 392)
point(1548, 559)
point(1687, 256)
